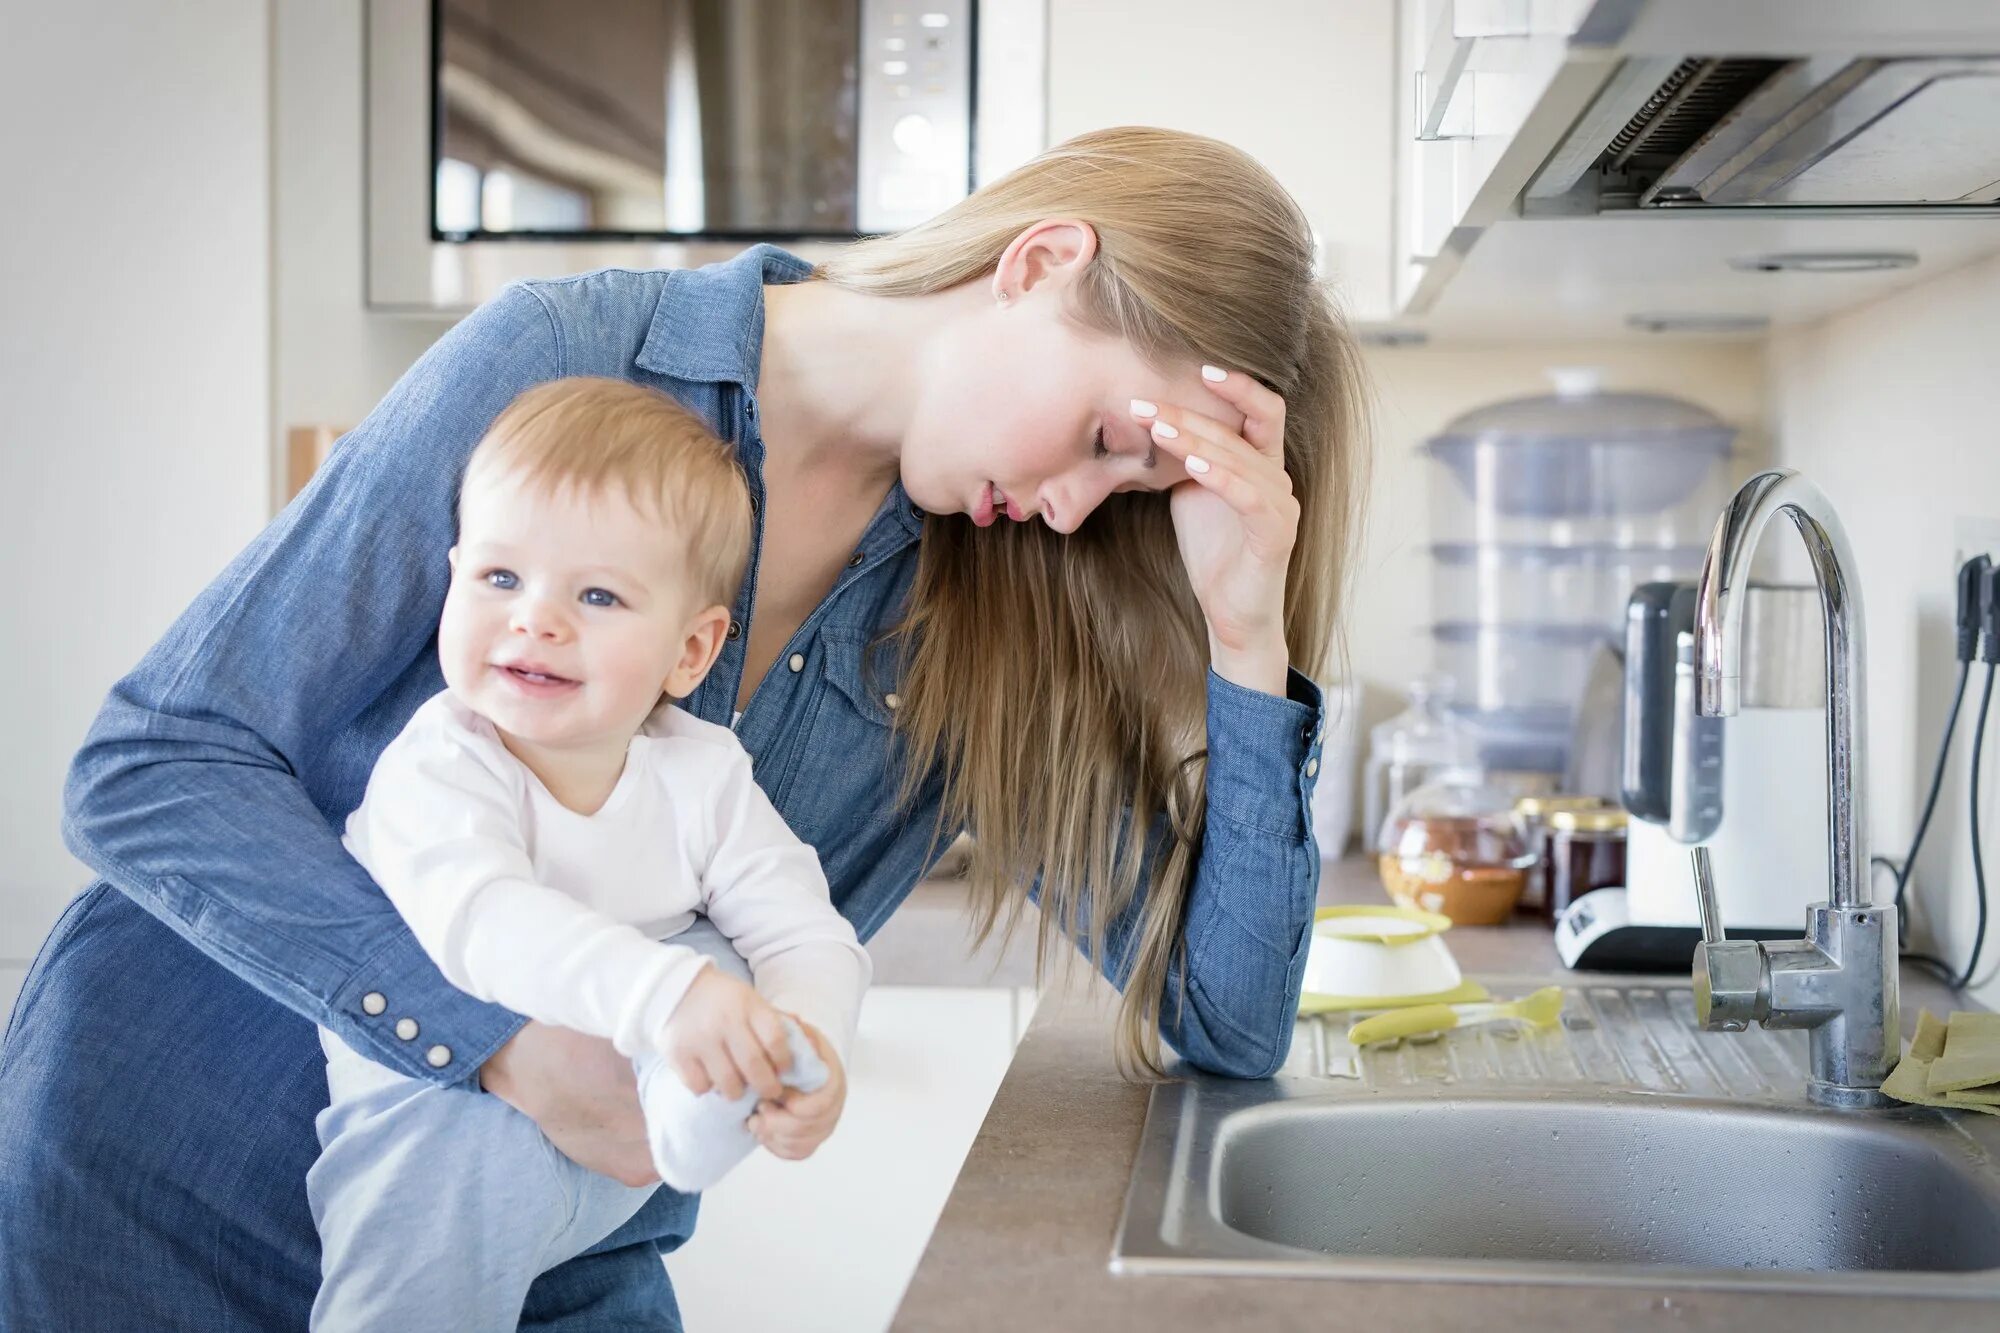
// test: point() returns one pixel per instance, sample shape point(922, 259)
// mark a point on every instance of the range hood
point(1753, 132)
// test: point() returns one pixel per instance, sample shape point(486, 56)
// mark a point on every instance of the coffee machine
point(1759, 805)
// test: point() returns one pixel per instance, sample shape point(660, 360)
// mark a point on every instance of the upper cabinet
point(1302, 85)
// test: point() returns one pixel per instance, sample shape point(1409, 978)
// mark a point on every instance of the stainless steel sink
point(1625, 1147)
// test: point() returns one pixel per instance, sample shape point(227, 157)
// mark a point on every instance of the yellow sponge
point(1953, 1064)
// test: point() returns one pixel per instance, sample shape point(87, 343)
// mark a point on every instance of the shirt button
point(373, 1003)
point(437, 1057)
point(893, 699)
point(854, 561)
point(735, 630)
point(1312, 766)
point(797, 661)
point(915, 512)
point(406, 1028)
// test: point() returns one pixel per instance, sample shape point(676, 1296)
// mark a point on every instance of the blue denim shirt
point(213, 784)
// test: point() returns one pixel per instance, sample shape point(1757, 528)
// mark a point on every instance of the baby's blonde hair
point(590, 437)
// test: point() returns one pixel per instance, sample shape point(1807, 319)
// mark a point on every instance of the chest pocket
point(845, 790)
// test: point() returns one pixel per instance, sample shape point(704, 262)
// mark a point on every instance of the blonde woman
point(1053, 497)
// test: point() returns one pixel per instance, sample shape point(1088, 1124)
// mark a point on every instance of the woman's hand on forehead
point(1236, 519)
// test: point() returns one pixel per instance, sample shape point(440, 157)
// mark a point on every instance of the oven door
point(687, 119)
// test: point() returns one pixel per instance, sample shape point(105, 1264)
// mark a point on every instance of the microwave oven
point(527, 138)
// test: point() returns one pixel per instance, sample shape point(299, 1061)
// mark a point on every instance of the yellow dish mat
point(1465, 992)
point(1954, 1064)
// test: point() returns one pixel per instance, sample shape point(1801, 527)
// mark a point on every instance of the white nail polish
point(1164, 431)
point(1214, 374)
point(1196, 464)
point(1142, 408)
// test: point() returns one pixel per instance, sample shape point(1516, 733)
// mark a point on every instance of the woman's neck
point(835, 382)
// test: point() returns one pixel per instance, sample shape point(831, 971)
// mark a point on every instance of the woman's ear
point(1053, 250)
point(700, 646)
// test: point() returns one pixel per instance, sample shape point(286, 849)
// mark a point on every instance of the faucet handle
point(1712, 931)
point(1732, 978)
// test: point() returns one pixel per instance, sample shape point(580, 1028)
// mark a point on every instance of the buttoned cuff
point(399, 1011)
point(1263, 754)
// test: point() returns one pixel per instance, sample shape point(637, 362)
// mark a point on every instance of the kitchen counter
point(1025, 1238)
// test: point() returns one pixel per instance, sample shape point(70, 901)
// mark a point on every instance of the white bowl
point(1383, 952)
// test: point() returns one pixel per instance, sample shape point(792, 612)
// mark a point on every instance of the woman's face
point(1022, 414)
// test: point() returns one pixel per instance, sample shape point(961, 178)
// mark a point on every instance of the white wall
point(134, 369)
point(334, 360)
point(1892, 409)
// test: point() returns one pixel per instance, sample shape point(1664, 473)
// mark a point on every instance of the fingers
point(694, 1074)
point(1263, 411)
point(723, 1075)
point(747, 1052)
point(1257, 487)
point(769, 1026)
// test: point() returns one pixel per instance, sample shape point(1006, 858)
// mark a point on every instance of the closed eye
point(1097, 447)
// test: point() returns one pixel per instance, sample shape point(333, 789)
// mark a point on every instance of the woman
point(971, 606)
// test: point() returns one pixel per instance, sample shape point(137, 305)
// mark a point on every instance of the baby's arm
point(765, 891)
point(439, 830)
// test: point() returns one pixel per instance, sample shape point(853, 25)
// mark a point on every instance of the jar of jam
point(1534, 812)
point(1586, 851)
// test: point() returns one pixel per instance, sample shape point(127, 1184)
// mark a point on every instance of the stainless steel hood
point(1715, 132)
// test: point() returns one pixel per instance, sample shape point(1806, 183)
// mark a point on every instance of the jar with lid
point(1453, 846)
point(1410, 749)
point(1534, 812)
point(1586, 852)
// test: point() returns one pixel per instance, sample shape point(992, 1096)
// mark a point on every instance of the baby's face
point(567, 615)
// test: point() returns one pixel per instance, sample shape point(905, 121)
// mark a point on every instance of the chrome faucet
point(1839, 981)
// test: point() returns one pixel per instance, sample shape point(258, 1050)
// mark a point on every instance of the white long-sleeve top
point(567, 918)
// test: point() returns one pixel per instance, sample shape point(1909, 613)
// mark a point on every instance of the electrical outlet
point(1972, 536)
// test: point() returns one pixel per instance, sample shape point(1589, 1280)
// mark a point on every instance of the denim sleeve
point(185, 794)
point(1249, 911)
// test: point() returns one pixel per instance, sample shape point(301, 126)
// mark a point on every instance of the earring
point(1005, 296)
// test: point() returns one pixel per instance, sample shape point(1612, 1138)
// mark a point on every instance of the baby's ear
point(451, 558)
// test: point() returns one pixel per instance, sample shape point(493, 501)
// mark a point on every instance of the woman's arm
point(1249, 912)
point(186, 793)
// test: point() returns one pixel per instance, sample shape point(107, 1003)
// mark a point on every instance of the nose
point(1072, 498)
point(539, 618)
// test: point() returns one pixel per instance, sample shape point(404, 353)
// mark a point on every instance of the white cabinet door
point(1301, 85)
point(830, 1243)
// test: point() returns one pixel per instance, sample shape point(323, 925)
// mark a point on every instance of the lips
point(992, 503)
point(535, 679)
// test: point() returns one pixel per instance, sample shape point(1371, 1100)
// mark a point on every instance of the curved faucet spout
point(1718, 647)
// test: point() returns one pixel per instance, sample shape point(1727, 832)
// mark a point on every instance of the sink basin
point(1625, 1147)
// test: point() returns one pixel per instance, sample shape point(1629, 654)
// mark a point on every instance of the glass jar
point(1454, 847)
point(1534, 812)
point(1586, 851)
point(1409, 750)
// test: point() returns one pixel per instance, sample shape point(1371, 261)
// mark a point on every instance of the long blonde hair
point(1057, 684)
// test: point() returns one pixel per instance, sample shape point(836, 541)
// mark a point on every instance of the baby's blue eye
point(599, 597)
point(504, 579)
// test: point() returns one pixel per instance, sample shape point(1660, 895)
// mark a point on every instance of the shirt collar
point(708, 327)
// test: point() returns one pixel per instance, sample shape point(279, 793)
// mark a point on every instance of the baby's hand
point(794, 1125)
point(724, 1035)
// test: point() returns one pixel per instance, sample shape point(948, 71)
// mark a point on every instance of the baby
point(563, 841)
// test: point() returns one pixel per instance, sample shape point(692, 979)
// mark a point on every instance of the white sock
point(696, 1140)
